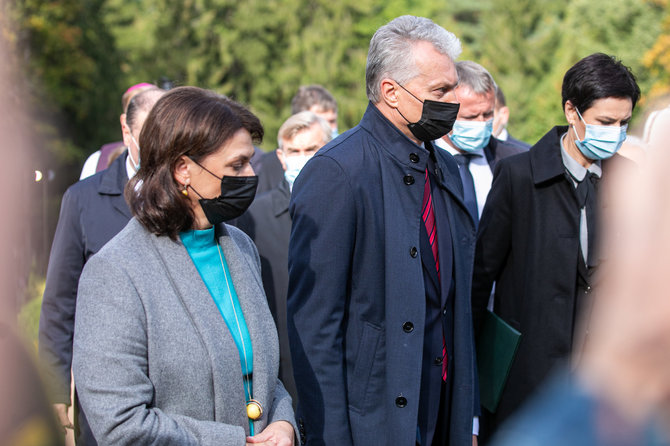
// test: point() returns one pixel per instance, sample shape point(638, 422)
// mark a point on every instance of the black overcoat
point(528, 244)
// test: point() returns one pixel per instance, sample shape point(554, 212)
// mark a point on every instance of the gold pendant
point(254, 409)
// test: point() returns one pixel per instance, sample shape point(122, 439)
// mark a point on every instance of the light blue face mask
point(471, 135)
point(334, 134)
point(294, 165)
point(600, 141)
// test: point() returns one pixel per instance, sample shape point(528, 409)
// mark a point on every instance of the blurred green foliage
point(84, 54)
point(29, 314)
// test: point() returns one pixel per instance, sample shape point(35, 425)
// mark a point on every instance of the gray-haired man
point(470, 141)
point(380, 261)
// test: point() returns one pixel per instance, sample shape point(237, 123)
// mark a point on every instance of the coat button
point(437, 360)
point(413, 157)
point(408, 179)
point(444, 311)
point(401, 401)
point(413, 252)
point(408, 327)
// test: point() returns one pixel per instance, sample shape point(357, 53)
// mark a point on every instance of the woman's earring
point(185, 190)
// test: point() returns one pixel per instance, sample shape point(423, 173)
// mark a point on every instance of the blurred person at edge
point(92, 212)
point(268, 223)
point(314, 98)
point(174, 342)
point(380, 261)
point(619, 394)
point(538, 233)
point(470, 141)
point(100, 159)
point(500, 120)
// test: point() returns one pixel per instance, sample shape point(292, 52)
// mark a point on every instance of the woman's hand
point(279, 433)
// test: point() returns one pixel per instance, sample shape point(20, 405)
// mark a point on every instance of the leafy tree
point(657, 58)
point(529, 45)
point(71, 64)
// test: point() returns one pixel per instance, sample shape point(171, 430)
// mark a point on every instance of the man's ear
point(280, 155)
point(389, 92)
point(504, 115)
point(125, 130)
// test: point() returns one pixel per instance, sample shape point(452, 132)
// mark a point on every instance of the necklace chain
point(239, 329)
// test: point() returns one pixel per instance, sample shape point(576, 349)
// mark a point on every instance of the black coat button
point(413, 157)
point(401, 401)
point(437, 360)
point(413, 252)
point(408, 327)
point(408, 179)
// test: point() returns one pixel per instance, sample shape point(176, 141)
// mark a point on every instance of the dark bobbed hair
point(185, 121)
point(598, 76)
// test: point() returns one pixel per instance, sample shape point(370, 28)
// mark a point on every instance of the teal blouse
point(210, 262)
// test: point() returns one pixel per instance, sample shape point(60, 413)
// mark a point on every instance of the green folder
point(496, 348)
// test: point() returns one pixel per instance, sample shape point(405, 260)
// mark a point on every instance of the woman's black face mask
point(237, 193)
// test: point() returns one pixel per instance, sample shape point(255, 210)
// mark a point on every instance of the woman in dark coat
point(537, 234)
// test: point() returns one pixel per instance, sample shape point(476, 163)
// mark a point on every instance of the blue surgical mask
point(600, 141)
point(471, 135)
point(334, 134)
point(294, 165)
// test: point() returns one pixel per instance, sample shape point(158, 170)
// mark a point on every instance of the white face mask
point(294, 165)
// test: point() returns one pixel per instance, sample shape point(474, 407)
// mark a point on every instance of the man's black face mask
point(437, 119)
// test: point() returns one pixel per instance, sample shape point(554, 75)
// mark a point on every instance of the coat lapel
point(262, 330)
point(113, 182)
point(210, 325)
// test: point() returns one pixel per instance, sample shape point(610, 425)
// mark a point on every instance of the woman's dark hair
point(185, 121)
point(596, 77)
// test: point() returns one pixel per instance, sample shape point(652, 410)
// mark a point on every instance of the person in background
point(470, 141)
point(92, 212)
point(380, 259)
point(500, 120)
point(101, 159)
point(174, 342)
point(268, 223)
point(538, 233)
point(619, 393)
point(314, 98)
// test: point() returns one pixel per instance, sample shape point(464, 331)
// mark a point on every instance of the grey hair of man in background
point(309, 96)
point(390, 54)
point(302, 121)
point(474, 76)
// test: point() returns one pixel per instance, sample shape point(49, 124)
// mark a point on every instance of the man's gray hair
point(302, 121)
point(474, 76)
point(391, 50)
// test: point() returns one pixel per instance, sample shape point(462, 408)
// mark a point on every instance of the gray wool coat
point(154, 362)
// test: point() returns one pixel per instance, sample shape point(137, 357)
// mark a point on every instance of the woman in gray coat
point(174, 342)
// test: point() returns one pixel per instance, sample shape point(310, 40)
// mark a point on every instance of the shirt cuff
point(475, 426)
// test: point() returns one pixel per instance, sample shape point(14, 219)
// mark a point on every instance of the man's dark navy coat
point(357, 297)
point(92, 212)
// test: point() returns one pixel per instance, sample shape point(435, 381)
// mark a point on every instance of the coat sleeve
point(493, 241)
point(110, 368)
point(320, 259)
point(60, 297)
